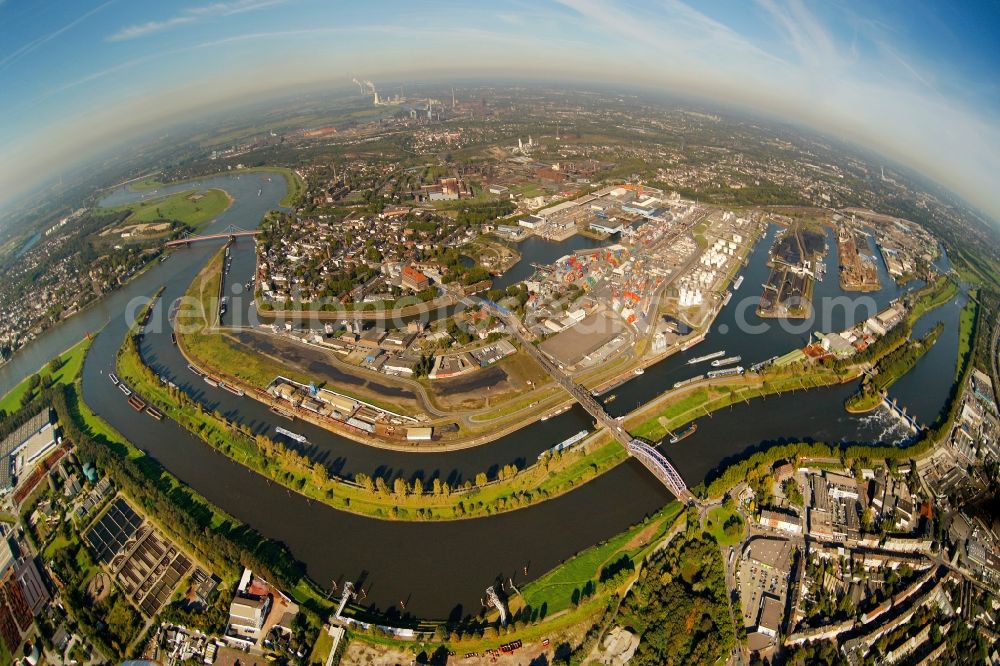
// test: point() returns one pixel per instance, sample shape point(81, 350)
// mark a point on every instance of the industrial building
point(24, 447)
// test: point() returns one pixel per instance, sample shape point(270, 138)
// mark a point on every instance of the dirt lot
point(360, 653)
point(364, 654)
point(570, 346)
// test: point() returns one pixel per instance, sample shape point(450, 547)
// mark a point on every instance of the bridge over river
point(645, 453)
point(232, 232)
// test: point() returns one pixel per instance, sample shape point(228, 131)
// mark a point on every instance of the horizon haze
point(912, 81)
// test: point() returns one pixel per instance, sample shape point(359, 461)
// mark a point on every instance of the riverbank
point(70, 364)
point(189, 207)
point(738, 471)
point(295, 186)
point(680, 407)
point(433, 499)
point(889, 369)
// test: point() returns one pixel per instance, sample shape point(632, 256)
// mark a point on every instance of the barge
point(565, 444)
point(301, 439)
point(727, 372)
point(707, 357)
point(685, 382)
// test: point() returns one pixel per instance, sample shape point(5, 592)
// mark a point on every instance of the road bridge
point(231, 232)
point(652, 459)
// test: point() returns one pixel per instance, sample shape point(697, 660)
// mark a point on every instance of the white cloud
point(143, 29)
point(192, 15)
point(858, 84)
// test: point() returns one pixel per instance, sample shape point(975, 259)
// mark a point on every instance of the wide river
point(441, 570)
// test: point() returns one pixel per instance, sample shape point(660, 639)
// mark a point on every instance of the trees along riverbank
point(62, 369)
point(214, 538)
point(378, 497)
point(889, 369)
point(970, 332)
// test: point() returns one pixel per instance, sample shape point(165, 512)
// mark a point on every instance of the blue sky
point(915, 80)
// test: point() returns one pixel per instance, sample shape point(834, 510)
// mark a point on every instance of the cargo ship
point(154, 412)
point(565, 444)
point(113, 377)
point(738, 370)
point(195, 370)
point(231, 389)
point(707, 357)
point(126, 390)
point(210, 381)
point(137, 404)
point(739, 281)
point(718, 363)
point(687, 432)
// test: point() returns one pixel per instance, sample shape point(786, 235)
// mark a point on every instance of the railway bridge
point(651, 459)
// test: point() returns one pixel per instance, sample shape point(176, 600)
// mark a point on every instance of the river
point(438, 569)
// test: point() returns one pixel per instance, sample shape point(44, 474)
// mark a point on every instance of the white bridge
point(232, 232)
point(658, 464)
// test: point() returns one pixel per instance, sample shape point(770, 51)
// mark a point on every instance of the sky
point(915, 80)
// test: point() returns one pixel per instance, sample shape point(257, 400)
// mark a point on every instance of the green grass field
point(965, 334)
point(321, 649)
point(72, 360)
point(933, 296)
point(555, 589)
point(192, 207)
point(716, 520)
